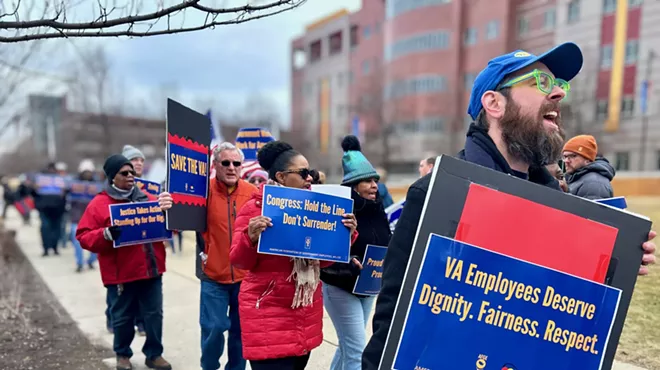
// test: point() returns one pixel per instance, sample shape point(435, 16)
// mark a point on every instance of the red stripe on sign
point(189, 199)
point(187, 143)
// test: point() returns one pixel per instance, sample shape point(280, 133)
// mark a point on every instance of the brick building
point(411, 65)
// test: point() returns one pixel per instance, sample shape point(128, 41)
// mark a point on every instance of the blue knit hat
point(356, 166)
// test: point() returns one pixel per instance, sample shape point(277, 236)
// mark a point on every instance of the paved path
point(83, 296)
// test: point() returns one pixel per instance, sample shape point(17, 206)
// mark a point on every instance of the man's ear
point(494, 104)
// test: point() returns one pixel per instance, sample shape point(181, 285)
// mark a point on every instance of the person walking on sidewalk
point(78, 206)
point(220, 280)
point(350, 312)
point(133, 272)
point(51, 209)
point(280, 302)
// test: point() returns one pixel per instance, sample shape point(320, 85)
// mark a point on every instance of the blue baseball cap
point(564, 61)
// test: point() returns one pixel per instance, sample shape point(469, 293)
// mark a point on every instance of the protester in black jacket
point(350, 312)
point(517, 130)
point(51, 209)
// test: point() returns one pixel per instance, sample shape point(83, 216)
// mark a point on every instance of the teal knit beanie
point(356, 166)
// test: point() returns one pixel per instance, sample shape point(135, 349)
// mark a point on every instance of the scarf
point(306, 274)
point(133, 195)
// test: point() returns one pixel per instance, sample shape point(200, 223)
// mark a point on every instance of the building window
point(550, 19)
point(573, 12)
point(366, 67)
point(634, 3)
point(609, 6)
point(601, 109)
point(315, 51)
point(492, 30)
point(396, 7)
point(350, 77)
point(523, 26)
point(426, 125)
point(622, 161)
point(470, 36)
point(414, 86)
point(632, 51)
point(366, 32)
point(468, 80)
point(606, 56)
point(417, 44)
point(335, 43)
point(340, 79)
point(628, 106)
point(354, 36)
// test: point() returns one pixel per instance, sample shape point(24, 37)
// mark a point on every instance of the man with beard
point(517, 130)
point(587, 174)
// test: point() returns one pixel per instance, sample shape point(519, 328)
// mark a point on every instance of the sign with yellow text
point(371, 275)
point(474, 308)
point(306, 224)
point(140, 223)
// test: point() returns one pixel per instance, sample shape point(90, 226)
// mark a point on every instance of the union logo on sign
point(308, 242)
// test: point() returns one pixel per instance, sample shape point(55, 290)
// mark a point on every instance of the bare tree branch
point(54, 22)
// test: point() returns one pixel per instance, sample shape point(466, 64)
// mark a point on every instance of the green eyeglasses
point(544, 82)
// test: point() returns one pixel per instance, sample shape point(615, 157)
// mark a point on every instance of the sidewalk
point(83, 296)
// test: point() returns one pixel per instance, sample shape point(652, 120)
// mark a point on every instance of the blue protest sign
point(47, 184)
point(371, 276)
point(140, 223)
point(473, 306)
point(618, 202)
point(84, 190)
point(251, 139)
point(188, 176)
point(148, 187)
point(394, 212)
point(306, 224)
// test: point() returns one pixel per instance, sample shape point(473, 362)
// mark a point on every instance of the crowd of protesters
point(272, 306)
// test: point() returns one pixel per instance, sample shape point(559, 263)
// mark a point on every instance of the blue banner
point(618, 202)
point(188, 171)
point(306, 224)
point(394, 212)
point(473, 306)
point(250, 140)
point(148, 187)
point(371, 276)
point(47, 184)
point(140, 223)
point(84, 190)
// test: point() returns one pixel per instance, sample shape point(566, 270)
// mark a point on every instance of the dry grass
point(640, 341)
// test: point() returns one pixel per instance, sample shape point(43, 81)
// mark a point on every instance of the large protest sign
point(251, 139)
point(453, 184)
point(148, 187)
point(188, 140)
point(140, 223)
point(47, 184)
point(371, 275)
point(471, 304)
point(306, 224)
point(84, 190)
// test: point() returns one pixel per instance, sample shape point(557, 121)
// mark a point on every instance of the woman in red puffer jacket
point(280, 301)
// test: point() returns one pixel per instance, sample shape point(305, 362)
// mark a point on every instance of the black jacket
point(479, 149)
point(373, 228)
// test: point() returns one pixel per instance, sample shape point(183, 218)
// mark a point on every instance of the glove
point(112, 232)
point(354, 268)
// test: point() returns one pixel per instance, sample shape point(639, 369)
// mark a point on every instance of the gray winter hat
point(131, 152)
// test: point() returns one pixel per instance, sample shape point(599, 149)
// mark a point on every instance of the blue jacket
point(385, 195)
point(480, 149)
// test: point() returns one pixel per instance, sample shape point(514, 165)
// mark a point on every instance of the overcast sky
point(222, 66)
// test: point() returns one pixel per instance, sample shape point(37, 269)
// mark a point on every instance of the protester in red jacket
point(280, 301)
point(133, 273)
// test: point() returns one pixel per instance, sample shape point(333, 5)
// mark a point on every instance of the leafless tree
point(23, 20)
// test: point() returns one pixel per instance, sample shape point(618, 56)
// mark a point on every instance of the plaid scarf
point(307, 275)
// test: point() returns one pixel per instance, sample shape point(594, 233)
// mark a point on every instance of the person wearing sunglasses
point(517, 129)
point(132, 274)
point(280, 303)
point(220, 279)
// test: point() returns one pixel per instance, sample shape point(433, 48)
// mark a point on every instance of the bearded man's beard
point(526, 137)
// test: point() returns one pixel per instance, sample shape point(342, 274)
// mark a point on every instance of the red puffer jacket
point(118, 265)
point(270, 328)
